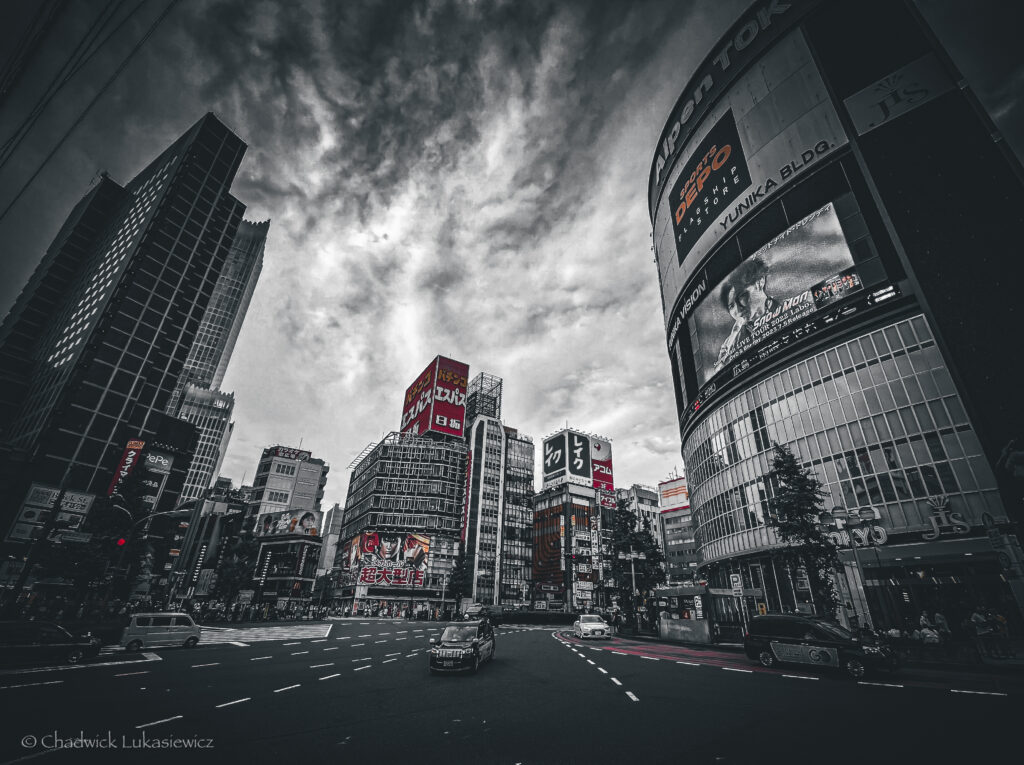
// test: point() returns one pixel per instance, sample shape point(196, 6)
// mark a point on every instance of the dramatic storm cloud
point(459, 178)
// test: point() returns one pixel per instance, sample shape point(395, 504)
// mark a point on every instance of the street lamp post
point(632, 556)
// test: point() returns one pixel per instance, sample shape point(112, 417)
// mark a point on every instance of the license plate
point(448, 664)
point(598, 632)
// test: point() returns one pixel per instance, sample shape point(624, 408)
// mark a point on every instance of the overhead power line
point(90, 105)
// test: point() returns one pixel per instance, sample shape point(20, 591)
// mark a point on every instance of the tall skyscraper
point(499, 523)
point(197, 399)
point(96, 343)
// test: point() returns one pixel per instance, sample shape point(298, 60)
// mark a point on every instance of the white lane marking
point(690, 663)
point(401, 632)
point(261, 658)
point(295, 643)
point(396, 653)
point(239, 644)
point(399, 638)
point(620, 653)
point(211, 664)
point(347, 637)
point(364, 623)
point(236, 701)
point(650, 658)
point(615, 680)
point(882, 685)
point(388, 660)
point(51, 682)
point(365, 658)
point(590, 662)
point(359, 668)
point(328, 677)
point(383, 633)
point(317, 666)
point(321, 640)
point(801, 677)
point(287, 687)
point(978, 693)
point(736, 669)
point(157, 722)
point(146, 658)
point(355, 645)
point(333, 648)
point(417, 630)
point(409, 654)
point(379, 641)
point(298, 653)
point(364, 635)
point(630, 694)
point(129, 674)
point(602, 670)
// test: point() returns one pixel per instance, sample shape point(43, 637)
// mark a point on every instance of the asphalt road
point(350, 691)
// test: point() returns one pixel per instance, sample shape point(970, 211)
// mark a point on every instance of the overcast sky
point(461, 178)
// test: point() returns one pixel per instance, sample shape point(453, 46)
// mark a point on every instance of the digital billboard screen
point(388, 559)
point(803, 269)
point(279, 523)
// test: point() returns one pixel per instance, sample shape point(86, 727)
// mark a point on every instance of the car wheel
point(74, 656)
point(134, 646)
point(192, 642)
point(476, 663)
point(854, 668)
point(767, 658)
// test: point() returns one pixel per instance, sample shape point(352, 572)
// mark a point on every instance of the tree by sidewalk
point(631, 536)
point(458, 582)
point(797, 501)
point(237, 566)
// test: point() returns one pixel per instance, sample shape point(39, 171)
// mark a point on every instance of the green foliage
point(630, 536)
point(237, 566)
point(797, 502)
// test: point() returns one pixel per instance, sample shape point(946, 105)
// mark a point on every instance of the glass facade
point(878, 420)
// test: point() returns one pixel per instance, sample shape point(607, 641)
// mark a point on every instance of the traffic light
point(121, 541)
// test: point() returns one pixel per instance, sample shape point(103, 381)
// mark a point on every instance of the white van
point(160, 629)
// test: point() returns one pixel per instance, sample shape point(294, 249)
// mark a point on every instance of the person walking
point(982, 631)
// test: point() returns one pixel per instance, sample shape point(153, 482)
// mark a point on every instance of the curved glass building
point(828, 285)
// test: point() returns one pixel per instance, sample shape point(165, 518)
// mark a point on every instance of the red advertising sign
point(418, 398)
point(128, 461)
point(465, 504)
point(385, 558)
point(436, 401)
point(450, 384)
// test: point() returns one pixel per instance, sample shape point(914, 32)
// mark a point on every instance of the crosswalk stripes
point(264, 634)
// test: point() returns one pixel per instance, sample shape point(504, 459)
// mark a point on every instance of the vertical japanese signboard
point(436, 401)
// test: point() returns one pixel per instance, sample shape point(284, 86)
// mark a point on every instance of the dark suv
point(793, 639)
point(462, 646)
point(493, 614)
point(43, 642)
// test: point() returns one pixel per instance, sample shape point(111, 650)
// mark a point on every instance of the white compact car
point(591, 625)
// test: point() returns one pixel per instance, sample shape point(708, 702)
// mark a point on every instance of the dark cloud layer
point(465, 178)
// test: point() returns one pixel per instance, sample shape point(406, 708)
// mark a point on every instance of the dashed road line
point(328, 677)
point(364, 635)
point(295, 643)
point(261, 658)
point(333, 648)
point(355, 645)
point(29, 685)
point(236, 701)
point(630, 694)
point(287, 688)
point(616, 681)
point(690, 663)
point(123, 674)
point(801, 677)
point(367, 666)
point(621, 653)
point(317, 666)
point(211, 664)
point(650, 658)
point(321, 640)
point(347, 637)
point(602, 670)
point(365, 658)
point(737, 669)
point(396, 653)
point(298, 653)
point(978, 693)
point(379, 641)
point(157, 722)
point(386, 661)
point(882, 685)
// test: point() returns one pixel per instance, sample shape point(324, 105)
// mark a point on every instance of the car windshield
point(591, 620)
point(458, 634)
point(834, 630)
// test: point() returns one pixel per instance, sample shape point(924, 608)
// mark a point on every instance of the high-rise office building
point(676, 530)
point(499, 523)
point(197, 398)
point(643, 501)
point(95, 345)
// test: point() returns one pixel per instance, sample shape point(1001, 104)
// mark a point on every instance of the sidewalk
point(986, 664)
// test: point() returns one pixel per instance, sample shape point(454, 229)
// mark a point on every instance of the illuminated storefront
point(796, 314)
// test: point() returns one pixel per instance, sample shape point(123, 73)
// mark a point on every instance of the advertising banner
point(579, 455)
point(436, 401)
point(779, 125)
point(390, 559)
point(38, 506)
point(449, 409)
point(131, 455)
point(156, 468)
point(278, 523)
point(289, 453)
point(803, 269)
point(601, 464)
point(554, 458)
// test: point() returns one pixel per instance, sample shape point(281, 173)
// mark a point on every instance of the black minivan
point(795, 639)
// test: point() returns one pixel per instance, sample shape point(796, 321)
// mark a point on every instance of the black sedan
point(463, 646)
point(42, 643)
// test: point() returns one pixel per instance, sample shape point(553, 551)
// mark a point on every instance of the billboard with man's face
point(387, 558)
point(278, 523)
point(805, 268)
